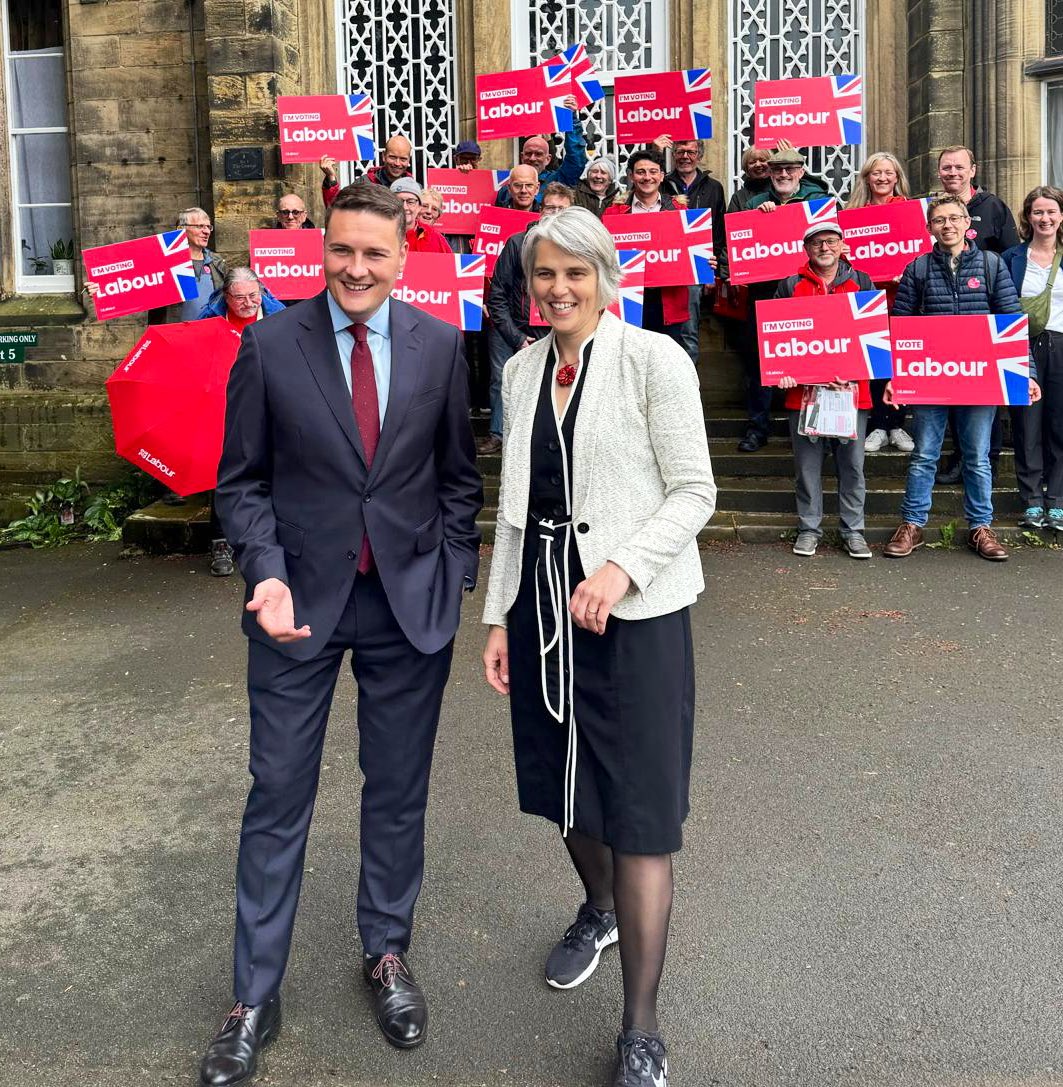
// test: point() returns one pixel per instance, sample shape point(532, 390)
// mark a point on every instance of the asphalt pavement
point(868, 893)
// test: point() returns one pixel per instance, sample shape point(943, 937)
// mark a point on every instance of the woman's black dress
point(612, 760)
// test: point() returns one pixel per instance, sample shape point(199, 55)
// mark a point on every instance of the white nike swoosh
point(601, 942)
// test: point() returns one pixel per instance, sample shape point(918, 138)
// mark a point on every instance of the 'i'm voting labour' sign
point(676, 104)
point(141, 274)
point(312, 125)
point(824, 111)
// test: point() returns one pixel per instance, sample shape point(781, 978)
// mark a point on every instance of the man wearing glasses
point(291, 214)
point(788, 184)
point(955, 277)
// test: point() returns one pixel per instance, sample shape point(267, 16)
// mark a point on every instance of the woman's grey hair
point(579, 233)
point(239, 274)
point(604, 163)
point(183, 216)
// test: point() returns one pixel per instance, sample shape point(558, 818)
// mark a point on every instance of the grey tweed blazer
point(642, 484)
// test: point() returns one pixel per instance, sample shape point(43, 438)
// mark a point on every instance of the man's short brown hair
point(372, 198)
point(953, 149)
point(556, 188)
point(940, 202)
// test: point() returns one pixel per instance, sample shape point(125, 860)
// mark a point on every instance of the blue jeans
point(690, 331)
point(499, 353)
point(973, 429)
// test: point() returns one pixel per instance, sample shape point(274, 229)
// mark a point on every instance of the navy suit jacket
point(295, 496)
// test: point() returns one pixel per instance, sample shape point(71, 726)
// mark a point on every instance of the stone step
point(162, 529)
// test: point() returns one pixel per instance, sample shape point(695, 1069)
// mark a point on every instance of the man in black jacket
point(955, 278)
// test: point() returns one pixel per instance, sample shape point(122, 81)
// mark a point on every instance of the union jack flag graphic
point(700, 79)
point(876, 346)
point(699, 221)
point(471, 299)
point(360, 116)
point(696, 220)
point(1014, 371)
point(174, 244)
point(558, 78)
point(848, 92)
point(823, 210)
point(580, 69)
point(628, 305)
point(499, 178)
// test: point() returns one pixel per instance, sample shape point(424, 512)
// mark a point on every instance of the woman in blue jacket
point(1038, 430)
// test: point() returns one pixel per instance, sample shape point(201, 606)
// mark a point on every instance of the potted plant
point(63, 257)
point(40, 265)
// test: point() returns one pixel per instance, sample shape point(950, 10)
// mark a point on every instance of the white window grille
point(38, 142)
point(790, 39)
point(402, 53)
point(621, 36)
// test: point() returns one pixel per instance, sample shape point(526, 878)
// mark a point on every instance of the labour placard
point(676, 104)
point(527, 102)
point(817, 339)
point(496, 226)
point(961, 360)
point(448, 286)
point(628, 302)
point(766, 245)
point(578, 66)
point(312, 125)
point(884, 239)
point(824, 111)
point(677, 244)
point(141, 274)
point(289, 262)
point(464, 194)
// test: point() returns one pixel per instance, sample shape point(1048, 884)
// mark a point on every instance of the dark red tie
point(366, 415)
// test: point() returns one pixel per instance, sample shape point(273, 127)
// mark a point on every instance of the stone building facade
point(156, 91)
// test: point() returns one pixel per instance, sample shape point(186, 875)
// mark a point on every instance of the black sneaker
point(221, 558)
point(641, 1060)
point(576, 957)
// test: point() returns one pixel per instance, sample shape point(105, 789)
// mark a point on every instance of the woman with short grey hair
point(606, 482)
point(596, 189)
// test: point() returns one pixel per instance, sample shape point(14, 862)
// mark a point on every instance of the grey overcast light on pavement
point(868, 894)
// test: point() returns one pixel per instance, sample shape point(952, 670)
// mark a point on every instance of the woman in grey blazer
point(606, 482)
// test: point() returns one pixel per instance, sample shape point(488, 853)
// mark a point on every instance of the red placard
point(884, 239)
point(961, 360)
point(817, 339)
point(824, 111)
point(527, 102)
point(141, 274)
point(464, 194)
point(677, 244)
point(497, 225)
point(449, 286)
point(764, 246)
point(289, 262)
point(312, 125)
point(676, 104)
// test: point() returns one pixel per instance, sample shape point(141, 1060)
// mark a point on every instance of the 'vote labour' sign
point(464, 194)
point(289, 262)
point(676, 104)
point(677, 244)
point(884, 239)
point(527, 102)
point(312, 125)
point(629, 298)
point(825, 111)
point(449, 286)
point(586, 83)
point(961, 360)
point(817, 339)
point(497, 225)
point(767, 245)
point(141, 274)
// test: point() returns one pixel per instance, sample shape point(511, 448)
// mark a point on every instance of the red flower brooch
point(566, 374)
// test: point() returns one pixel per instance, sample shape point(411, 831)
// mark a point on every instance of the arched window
point(788, 39)
point(402, 53)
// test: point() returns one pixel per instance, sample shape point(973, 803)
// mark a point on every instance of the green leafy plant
point(65, 511)
point(947, 539)
point(61, 250)
point(40, 265)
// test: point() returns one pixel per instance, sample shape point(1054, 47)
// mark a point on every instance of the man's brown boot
point(904, 541)
point(984, 543)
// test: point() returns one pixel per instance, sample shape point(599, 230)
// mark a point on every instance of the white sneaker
point(902, 440)
point(876, 441)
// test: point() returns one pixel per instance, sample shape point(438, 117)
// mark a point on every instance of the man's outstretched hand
point(273, 607)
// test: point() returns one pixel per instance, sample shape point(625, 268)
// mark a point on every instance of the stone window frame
point(13, 278)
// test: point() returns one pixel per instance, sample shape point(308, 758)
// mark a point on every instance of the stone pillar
point(1005, 105)
point(484, 45)
point(937, 109)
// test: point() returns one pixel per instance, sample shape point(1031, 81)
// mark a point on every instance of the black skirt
point(625, 749)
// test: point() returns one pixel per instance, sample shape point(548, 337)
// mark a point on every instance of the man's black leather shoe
point(753, 441)
point(401, 1010)
point(233, 1055)
point(951, 474)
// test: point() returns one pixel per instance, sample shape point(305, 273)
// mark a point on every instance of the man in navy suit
point(349, 491)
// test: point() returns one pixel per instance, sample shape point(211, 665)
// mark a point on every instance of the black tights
point(639, 887)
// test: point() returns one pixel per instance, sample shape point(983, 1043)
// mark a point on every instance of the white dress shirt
point(379, 339)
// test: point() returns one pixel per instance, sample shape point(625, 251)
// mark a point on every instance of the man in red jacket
point(826, 273)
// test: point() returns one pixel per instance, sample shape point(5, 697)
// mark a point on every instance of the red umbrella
point(168, 401)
